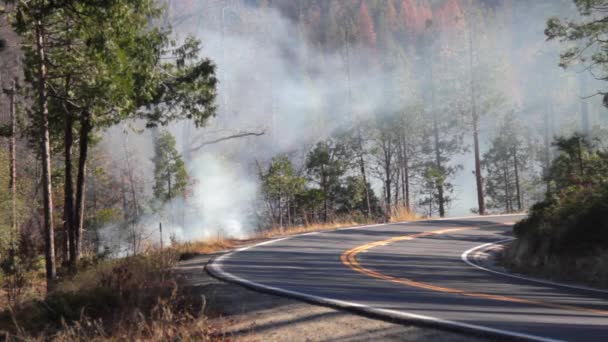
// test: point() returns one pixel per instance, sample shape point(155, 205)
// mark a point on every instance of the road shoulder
point(246, 315)
point(487, 257)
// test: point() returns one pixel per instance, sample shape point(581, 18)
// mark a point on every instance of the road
point(413, 272)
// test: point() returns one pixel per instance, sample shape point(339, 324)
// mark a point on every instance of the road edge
point(214, 268)
point(466, 257)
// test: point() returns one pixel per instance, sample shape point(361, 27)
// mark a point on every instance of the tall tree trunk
point(437, 147)
point(478, 176)
point(517, 186)
point(406, 177)
point(68, 191)
point(439, 167)
point(280, 211)
point(585, 120)
point(547, 150)
point(49, 233)
point(397, 185)
point(363, 174)
point(85, 130)
point(13, 162)
point(326, 195)
point(507, 190)
point(387, 178)
point(288, 212)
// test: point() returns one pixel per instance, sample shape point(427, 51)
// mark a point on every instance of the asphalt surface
point(415, 270)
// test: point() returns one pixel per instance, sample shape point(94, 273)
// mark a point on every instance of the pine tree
point(170, 175)
point(505, 163)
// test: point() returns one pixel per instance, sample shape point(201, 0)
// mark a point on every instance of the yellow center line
point(349, 258)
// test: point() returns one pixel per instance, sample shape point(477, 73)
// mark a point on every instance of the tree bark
point(547, 151)
point(13, 163)
point(397, 183)
point(406, 177)
point(363, 173)
point(68, 207)
point(85, 129)
point(437, 146)
point(507, 188)
point(585, 120)
point(49, 233)
point(478, 177)
point(517, 187)
point(325, 188)
point(386, 145)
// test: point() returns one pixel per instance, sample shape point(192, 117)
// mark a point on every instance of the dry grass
point(214, 245)
point(402, 214)
point(188, 250)
point(291, 230)
point(131, 299)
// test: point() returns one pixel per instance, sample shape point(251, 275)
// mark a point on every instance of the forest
point(132, 128)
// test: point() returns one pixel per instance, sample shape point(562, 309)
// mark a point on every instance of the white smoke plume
point(273, 80)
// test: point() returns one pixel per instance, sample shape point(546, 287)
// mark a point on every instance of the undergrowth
point(130, 299)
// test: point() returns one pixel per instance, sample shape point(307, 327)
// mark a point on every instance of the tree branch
point(230, 137)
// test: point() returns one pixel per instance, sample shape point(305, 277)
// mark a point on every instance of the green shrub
point(568, 231)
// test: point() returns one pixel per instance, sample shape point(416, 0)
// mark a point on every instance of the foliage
point(106, 62)
point(572, 220)
point(170, 175)
point(506, 163)
point(281, 185)
point(325, 164)
point(587, 37)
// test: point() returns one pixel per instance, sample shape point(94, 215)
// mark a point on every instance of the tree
point(356, 140)
point(444, 136)
point(170, 175)
point(351, 199)
point(12, 135)
point(579, 164)
point(475, 120)
point(325, 164)
point(505, 163)
point(384, 150)
point(589, 47)
point(281, 185)
point(33, 21)
point(107, 64)
point(411, 128)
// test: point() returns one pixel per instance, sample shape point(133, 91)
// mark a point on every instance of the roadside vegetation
point(565, 235)
point(135, 298)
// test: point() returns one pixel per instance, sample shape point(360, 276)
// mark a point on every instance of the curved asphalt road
point(414, 272)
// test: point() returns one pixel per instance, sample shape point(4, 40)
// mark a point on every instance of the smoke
point(219, 202)
point(273, 80)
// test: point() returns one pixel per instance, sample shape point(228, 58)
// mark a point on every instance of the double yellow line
point(349, 258)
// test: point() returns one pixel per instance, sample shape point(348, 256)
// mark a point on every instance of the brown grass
point(291, 230)
point(401, 214)
point(189, 249)
point(131, 299)
point(214, 245)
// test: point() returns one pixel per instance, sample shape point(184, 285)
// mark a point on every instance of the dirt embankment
point(244, 315)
